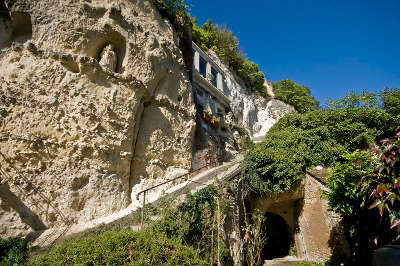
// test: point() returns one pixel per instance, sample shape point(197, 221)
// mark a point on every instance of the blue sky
point(331, 46)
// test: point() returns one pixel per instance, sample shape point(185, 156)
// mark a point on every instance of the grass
point(123, 224)
point(121, 248)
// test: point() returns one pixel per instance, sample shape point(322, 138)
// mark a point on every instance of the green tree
point(391, 100)
point(294, 94)
point(353, 100)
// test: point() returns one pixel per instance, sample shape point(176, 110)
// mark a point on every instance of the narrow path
point(288, 260)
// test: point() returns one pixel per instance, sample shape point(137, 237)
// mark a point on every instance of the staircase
point(223, 172)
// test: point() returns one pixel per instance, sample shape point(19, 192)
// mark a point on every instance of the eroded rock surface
point(78, 139)
point(255, 113)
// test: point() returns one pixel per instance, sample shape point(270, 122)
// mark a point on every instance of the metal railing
point(5, 178)
point(169, 181)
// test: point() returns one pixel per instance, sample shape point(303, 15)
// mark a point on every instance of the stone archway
point(278, 241)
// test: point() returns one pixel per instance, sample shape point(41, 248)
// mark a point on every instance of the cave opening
point(22, 26)
point(14, 26)
point(278, 238)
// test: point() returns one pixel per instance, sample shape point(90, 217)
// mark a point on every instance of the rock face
point(95, 106)
point(254, 112)
point(78, 140)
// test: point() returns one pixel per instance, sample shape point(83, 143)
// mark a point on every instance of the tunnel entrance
point(277, 235)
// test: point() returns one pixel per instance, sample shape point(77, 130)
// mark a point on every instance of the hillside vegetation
point(185, 234)
point(13, 251)
point(320, 137)
point(296, 95)
point(365, 189)
point(225, 44)
point(122, 248)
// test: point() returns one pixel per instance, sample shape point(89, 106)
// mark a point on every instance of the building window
point(203, 67)
point(214, 77)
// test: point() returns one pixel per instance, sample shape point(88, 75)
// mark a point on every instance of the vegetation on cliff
point(225, 44)
point(221, 40)
point(320, 137)
point(176, 12)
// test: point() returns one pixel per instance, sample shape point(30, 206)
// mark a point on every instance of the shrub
point(13, 251)
point(176, 12)
point(122, 248)
point(296, 95)
point(270, 167)
point(196, 222)
point(365, 191)
point(320, 137)
point(381, 190)
point(182, 235)
point(254, 239)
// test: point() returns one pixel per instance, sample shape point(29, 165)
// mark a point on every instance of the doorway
point(278, 240)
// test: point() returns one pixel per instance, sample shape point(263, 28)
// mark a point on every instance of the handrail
point(175, 178)
point(163, 183)
point(39, 193)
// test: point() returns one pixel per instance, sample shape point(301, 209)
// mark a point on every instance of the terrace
point(208, 77)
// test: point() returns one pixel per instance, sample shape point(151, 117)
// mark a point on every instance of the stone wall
point(78, 139)
point(314, 229)
point(321, 237)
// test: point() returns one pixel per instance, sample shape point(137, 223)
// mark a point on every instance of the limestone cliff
point(76, 138)
point(96, 105)
point(254, 112)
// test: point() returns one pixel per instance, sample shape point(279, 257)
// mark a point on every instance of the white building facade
point(209, 86)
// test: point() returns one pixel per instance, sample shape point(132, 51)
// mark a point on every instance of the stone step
point(288, 260)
